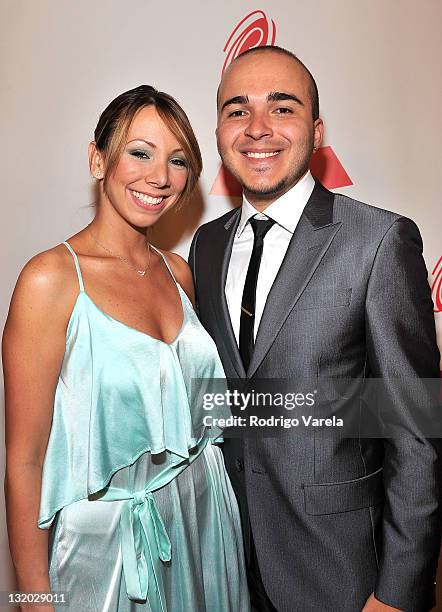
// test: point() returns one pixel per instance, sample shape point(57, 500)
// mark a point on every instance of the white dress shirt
point(286, 211)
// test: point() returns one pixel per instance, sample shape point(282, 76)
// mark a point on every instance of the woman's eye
point(140, 154)
point(177, 161)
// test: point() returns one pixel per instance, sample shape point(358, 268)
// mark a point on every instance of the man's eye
point(284, 110)
point(237, 113)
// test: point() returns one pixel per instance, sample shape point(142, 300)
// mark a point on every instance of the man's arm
point(401, 345)
point(192, 265)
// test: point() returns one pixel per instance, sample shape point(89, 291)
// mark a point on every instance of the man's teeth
point(147, 199)
point(259, 155)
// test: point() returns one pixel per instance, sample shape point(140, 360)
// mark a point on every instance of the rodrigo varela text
point(272, 421)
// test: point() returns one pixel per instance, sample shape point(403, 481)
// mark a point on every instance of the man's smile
point(260, 154)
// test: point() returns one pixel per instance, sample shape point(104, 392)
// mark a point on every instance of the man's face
point(266, 132)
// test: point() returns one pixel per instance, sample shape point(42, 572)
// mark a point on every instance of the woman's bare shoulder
point(181, 271)
point(51, 270)
point(47, 283)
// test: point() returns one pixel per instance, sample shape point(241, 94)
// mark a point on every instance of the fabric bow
point(144, 543)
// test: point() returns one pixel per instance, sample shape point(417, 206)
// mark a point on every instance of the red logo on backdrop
point(436, 288)
point(257, 30)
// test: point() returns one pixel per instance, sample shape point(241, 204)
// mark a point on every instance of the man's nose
point(258, 126)
point(158, 175)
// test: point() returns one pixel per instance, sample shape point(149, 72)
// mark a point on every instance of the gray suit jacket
point(335, 519)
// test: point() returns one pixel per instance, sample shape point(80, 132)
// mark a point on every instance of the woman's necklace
point(121, 258)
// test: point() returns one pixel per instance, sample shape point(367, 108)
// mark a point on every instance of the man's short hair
point(313, 88)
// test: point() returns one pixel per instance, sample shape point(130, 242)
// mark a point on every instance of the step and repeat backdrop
point(376, 62)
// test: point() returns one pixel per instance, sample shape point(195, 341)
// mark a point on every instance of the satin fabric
point(141, 511)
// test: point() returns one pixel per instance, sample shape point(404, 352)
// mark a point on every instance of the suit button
point(239, 465)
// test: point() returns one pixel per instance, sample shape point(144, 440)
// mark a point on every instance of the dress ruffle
point(116, 400)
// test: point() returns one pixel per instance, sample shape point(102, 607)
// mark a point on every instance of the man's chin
point(266, 191)
point(264, 188)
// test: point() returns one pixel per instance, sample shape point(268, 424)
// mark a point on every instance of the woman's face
point(151, 173)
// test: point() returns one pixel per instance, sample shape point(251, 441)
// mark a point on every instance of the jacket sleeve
point(192, 265)
point(402, 351)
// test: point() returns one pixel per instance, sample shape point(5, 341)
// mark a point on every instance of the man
point(302, 283)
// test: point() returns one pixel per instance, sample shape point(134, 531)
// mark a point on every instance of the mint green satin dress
point(140, 507)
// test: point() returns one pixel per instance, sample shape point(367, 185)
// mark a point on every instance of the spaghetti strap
point(77, 265)
point(166, 262)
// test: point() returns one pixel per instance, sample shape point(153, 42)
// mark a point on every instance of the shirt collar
point(286, 210)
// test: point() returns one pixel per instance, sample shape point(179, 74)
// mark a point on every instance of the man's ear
point(318, 133)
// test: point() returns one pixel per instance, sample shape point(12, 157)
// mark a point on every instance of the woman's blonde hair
point(114, 123)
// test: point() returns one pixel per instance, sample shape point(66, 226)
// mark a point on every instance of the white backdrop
point(377, 64)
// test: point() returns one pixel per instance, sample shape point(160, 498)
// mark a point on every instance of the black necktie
point(247, 323)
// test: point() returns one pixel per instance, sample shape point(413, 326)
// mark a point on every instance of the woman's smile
point(149, 202)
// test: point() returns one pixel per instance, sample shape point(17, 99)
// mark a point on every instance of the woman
point(104, 446)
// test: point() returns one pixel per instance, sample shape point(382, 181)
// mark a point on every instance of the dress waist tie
point(145, 543)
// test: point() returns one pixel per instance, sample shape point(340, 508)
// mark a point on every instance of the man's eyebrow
point(273, 96)
point(279, 96)
point(235, 100)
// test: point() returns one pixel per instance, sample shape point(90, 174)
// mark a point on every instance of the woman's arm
point(33, 348)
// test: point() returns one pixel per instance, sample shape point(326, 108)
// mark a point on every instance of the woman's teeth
point(259, 155)
point(147, 199)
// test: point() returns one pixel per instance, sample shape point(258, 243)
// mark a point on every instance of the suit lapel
point(310, 241)
point(221, 252)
